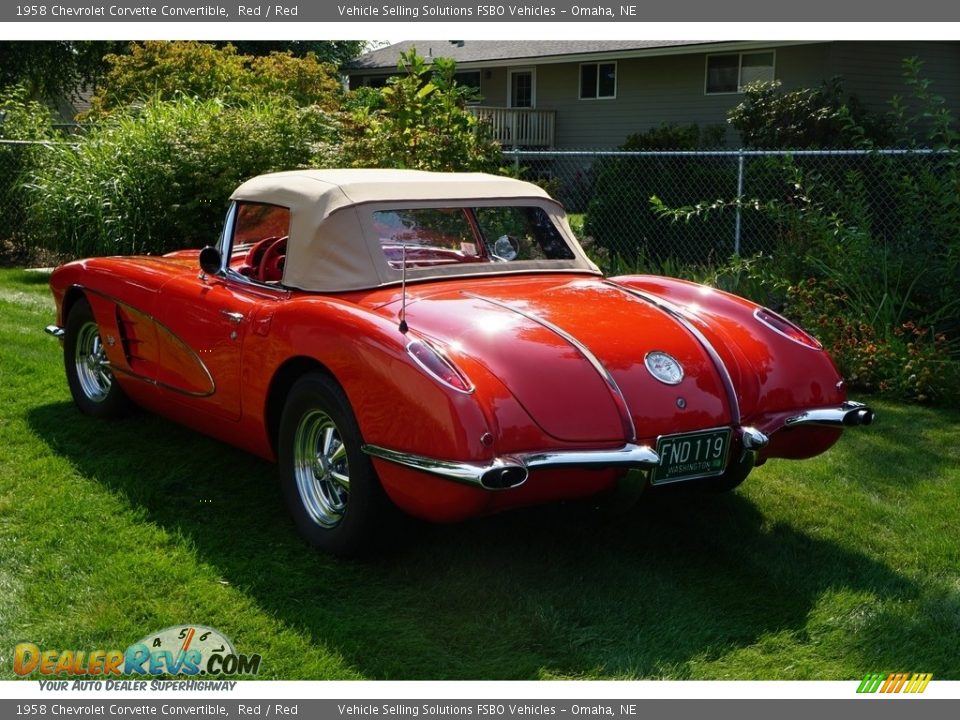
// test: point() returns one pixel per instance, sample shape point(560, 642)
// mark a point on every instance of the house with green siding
point(591, 94)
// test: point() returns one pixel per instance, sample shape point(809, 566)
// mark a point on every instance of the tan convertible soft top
point(332, 246)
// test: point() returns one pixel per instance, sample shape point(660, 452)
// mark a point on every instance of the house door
point(522, 97)
point(522, 88)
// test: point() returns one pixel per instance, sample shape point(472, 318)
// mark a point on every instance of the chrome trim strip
point(847, 414)
point(479, 474)
point(681, 317)
point(173, 336)
point(55, 330)
point(157, 383)
point(619, 400)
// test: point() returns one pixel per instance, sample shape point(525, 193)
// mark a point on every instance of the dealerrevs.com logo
point(895, 683)
point(192, 650)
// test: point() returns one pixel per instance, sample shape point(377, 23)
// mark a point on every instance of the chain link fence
point(741, 197)
point(608, 194)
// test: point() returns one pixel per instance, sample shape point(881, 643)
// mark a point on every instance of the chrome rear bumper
point(512, 470)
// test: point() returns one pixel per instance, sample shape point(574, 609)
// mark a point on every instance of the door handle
point(235, 316)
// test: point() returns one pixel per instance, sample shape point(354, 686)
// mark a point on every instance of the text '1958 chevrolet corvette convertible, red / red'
point(439, 342)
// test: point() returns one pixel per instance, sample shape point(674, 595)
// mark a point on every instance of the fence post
point(736, 229)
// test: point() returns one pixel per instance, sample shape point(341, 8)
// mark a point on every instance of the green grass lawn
point(824, 569)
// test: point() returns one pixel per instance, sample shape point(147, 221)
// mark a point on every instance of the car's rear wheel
point(330, 485)
point(91, 381)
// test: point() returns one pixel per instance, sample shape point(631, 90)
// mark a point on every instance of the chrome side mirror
point(210, 260)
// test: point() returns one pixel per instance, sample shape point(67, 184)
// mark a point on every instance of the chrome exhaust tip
point(858, 416)
point(504, 477)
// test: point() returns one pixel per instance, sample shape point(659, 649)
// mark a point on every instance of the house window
point(374, 81)
point(598, 81)
point(730, 73)
point(470, 79)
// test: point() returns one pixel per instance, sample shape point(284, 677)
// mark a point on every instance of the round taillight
point(781, 325)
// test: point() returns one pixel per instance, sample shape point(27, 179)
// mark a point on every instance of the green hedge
point(156, 178)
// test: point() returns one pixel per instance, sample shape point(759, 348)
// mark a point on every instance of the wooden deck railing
point(519, 127)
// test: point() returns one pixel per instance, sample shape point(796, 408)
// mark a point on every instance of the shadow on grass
point(560, 590)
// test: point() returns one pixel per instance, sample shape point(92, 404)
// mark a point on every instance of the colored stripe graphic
point(870, 683)
point(918, 683)
point(895, 683)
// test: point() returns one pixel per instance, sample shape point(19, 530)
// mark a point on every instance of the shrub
point(167, 70)
point(620, 219)
point(822, 117)
point(869, 259)
point(154, 179)
point(420, 121)
point(904, 360)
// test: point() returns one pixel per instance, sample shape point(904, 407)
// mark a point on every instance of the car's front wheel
point(91, 381)
point(330, 485)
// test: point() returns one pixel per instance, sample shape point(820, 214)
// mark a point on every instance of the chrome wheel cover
point(320, 469)
point(90, 361)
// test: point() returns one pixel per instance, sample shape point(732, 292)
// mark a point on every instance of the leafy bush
point(420, 121)
point(620, 219)
point(904, 360)
point(154, 179)
point(167, 70)
point(819, 118)
point(870, 261)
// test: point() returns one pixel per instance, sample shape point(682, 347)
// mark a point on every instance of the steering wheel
point(254, 256)
point(271, 264)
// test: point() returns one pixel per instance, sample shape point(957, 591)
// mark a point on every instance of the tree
point(420, 120)
point(335, 52)
point(167, 70)
point(50, 70)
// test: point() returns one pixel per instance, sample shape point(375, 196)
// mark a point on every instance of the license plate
point(692, 455)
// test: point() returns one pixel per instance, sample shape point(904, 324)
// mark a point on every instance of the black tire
point(91, 382)
point(330, 485)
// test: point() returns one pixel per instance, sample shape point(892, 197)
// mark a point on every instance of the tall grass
point(157, 177)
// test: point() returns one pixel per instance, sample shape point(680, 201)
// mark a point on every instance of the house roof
point(487, 52)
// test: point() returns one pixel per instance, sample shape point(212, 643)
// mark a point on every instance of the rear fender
point(771, 373)
point(396, 403)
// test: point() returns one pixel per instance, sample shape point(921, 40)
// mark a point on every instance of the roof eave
point(696, 47)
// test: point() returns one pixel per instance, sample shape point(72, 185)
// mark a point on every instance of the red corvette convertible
point(439, 343)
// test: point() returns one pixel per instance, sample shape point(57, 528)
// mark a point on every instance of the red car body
point(470, 392)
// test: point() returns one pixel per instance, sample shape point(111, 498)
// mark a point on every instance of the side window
point(258, 221)
point(260, 241)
